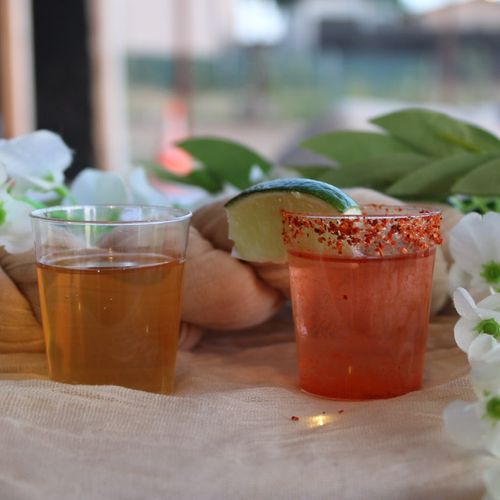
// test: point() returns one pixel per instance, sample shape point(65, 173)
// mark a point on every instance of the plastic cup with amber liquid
point(110, 284)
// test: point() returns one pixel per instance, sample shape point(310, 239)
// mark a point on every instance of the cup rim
point(393, 212)
point(172, 215)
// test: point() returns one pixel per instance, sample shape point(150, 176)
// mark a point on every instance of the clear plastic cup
point(361, 291)
point(110, 283)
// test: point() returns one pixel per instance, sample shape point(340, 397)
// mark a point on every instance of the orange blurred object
point(175, 127)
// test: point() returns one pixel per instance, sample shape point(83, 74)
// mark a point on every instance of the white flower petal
point(464, 304)
point(493, 355)
point(489, 307)
point(15, 231)
point(3, 175)
point(492, 303)
point(491, 233)
point(29, 182)
point(457, 277)
point(475, 242)
point(488, 314)
point(484, 357)
point(463, 424)
point(42, 197)
point(466, 244)
point(491, 478)
point(483, 386)
point(492, 439)
point(95, 187)
point(37, 154)
point(487, 357)
point(480, 347)
point(142, 191)
point(478, 288)
point(485, 377)
point(464, 333)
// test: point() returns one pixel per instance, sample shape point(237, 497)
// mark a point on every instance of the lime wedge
point(254, 216)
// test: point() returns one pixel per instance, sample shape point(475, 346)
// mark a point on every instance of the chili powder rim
point(398, 229)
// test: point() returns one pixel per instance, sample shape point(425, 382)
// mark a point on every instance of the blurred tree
point(399, 4)
point(286, 3)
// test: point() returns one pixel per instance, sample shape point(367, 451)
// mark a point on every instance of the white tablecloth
point(228, 432)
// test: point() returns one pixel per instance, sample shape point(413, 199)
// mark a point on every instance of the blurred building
point(166, 27)
point(310, 17)
point(474, 16)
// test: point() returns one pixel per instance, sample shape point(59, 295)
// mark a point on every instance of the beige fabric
point(222, 292)
point(227, 433)
point(20, 330)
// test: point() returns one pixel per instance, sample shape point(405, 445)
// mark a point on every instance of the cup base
point(332, 397)
point(163, 389)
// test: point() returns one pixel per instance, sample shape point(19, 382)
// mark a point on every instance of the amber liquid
point(361, 324)
point(112, 319)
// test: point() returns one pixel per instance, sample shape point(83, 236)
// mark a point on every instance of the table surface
point(228, 432)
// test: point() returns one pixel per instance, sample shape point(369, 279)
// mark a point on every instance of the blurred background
point(123, 80)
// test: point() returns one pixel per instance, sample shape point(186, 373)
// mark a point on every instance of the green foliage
point(482, 181)
point(478, 204)
point(436, 134)
point(350, 146)
point(3, 213)
point(376, 173)
point(220, 162)
point(433, 157)
point(417, 155)
point(437, 177)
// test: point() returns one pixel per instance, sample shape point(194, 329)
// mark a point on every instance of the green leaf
point(436, 179)
point(200, 178)
point(225, 160)
point(32, 202)
point(311, 172)
point(437, 134)
point(482, 181)
point(350, 146)
point(479, 204)
point(377, 173)
point(3, 213)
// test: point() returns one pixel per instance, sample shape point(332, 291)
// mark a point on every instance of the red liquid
point(361, 324)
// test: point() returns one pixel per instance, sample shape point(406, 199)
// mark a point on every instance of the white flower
point(477, 321)
point(484, 357)
point(475, 425)
point(94, 187)
point(35, 160)
point(141, 190)
point(97, 187)
point(475, 248)
point(492, 482)
point(3, 175)
point(477, 333)
point(15, 225)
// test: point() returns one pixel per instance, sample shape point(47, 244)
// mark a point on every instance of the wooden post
point(16, 67)
point(110, 126)
point(183, 71)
